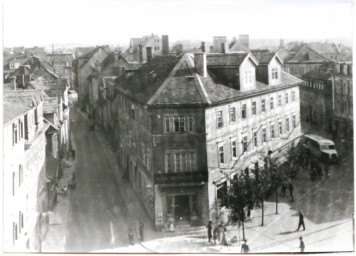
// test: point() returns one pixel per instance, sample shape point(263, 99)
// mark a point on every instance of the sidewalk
point(55, 238)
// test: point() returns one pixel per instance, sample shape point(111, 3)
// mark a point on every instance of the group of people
point(136, 230)
point(316, 170)
point(218, 234)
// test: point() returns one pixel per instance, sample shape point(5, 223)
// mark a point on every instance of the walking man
point(290, 188)
point(140, 229)
point(73, 154)
point(131, 233)
point(215, 234)
point(209, 229)
point(301, 221)
point(301, 245)
point(245, 248)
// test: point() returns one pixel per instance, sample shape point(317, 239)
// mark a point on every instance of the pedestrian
point(141, 227)
point(223, 238)
point(245, 248)
point(290, 188)
point(73, 154)
point(301, 245)
point(209, 230)
point(301, 221)
point(215, 234)
point(131, 233)
point(319, 171)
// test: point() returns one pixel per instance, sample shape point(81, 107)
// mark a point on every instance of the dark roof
point(318, 74)
point(110, 59)
point(13, 110)
point(238, 46)
point(227, 59)
point(305, 58)
point(90, 54)
point(143, 84)
point(263, 57)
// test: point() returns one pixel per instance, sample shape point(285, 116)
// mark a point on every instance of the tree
point(261, 182)
point(240, 197)
point(277, 177)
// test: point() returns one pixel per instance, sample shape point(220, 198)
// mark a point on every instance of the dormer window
point(248, 76)
point(274, 73)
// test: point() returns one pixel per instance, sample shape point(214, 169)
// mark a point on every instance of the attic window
point(274, 73)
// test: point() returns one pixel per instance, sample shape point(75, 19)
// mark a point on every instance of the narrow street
point(96, 206)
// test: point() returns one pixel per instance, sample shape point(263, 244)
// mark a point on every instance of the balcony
point(181, 177)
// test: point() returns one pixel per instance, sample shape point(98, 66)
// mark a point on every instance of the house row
point(182, 125)
point(36, 138)
point(327, 99)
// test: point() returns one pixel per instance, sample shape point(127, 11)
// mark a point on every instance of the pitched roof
point(182, 86)
point(265, 57)
point(305, 58)
point(238, 46)
point(90, 54)
point(143, 84)
point(28, 96)
point(228, 59)
point(13, 110)
point(318, 74)
point(323, 48)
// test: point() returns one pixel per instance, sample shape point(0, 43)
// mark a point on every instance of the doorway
point(182, 209)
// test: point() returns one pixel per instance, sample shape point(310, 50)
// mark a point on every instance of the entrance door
point(182, 208)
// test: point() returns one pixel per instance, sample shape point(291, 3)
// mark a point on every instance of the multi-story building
point(83, 69)
point(184, 124)
point(25, 189)
point(326, 99)
point(63, 65)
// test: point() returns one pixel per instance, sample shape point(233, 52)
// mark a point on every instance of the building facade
point(25, 193)
point(183, 124)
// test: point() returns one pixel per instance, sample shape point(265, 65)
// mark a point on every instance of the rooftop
point(13, 110)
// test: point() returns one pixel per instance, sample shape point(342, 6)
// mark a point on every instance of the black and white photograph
point(177, 126)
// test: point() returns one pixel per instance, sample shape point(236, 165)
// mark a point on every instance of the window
point(20, 175)
point(167, 123)
point(249, 76)
point(263, 105)
point(254, 108)
point(293, 95)
point(14, 134)
point(20, 221)
point(244, 144)
point(14, 232)
point(264, 134)
point(274, 73)
point(243, 111)
point(234, 148)
point(232, 115)
point(21, 129)
point(279, 100)
point(255, 138)
point(190, 123)
point(272, 131)
point(294, 121)
point(180, 161)
point(178, 123)
point(271, 103)
point(221, 154)
point(286, 97)
point(287, 124)
point(280, 126)
point(132, 111)
point(13, 183)
point(219, 118)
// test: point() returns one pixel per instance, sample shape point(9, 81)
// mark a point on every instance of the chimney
point(116, 59)
point(165, 45)
point(200, 64)
point(245, 40)
point(344, 69)
point(223, 50)
point(140, 53)
point(149, 54)
point(202, 46)
point(13, 82)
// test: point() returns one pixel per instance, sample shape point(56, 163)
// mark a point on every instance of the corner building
point(187, 122)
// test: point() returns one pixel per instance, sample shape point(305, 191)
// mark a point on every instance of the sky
point(93, 22)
